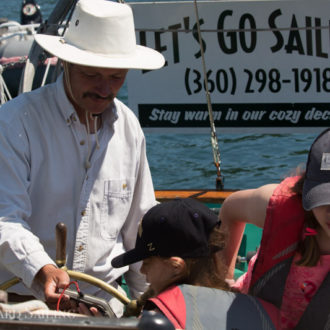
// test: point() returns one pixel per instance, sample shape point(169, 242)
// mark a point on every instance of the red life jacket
point(172, 304)
point(281, 234)
point(195, 307)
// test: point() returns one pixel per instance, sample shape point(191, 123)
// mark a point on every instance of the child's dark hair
point(213, 273)
point(308, 247)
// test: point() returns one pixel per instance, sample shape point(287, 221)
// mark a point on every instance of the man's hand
point(52, 279)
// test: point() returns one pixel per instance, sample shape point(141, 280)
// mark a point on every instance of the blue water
point(186, 161)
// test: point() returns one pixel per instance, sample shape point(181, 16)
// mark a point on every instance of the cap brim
point(128, 258)
point(143, 58)
point(315, 194)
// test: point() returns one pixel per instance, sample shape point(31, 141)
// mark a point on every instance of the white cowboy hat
point(101, 34)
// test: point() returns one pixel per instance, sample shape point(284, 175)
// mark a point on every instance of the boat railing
point(11, 29)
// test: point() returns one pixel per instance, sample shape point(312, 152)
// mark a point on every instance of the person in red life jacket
point(291, 269)
point(179, 242)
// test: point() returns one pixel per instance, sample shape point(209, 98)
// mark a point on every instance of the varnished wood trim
point(206, 196)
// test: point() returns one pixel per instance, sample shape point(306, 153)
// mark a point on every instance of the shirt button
point(83, 213)
point(80, 248)
point(82, 142)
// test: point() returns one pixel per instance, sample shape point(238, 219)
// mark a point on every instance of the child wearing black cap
point(179, 243)
point(292, 267)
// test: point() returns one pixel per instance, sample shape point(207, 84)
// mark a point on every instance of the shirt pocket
point(115, 207)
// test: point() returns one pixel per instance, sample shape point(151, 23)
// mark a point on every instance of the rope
point(89, 148)
point(305, 28)
point(62, 293)
point(4, 91)
point(214, 139)
point(44, 78)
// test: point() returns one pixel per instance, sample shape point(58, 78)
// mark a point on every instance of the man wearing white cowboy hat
point(71, 152)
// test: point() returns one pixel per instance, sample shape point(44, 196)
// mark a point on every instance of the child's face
point(159, 272)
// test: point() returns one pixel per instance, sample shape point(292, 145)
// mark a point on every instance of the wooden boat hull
point(204, 195)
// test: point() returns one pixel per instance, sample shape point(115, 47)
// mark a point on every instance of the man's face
point(93, 89)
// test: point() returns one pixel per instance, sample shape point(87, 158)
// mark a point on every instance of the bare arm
point(241, 207)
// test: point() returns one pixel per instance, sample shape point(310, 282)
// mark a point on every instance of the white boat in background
point(16, 39)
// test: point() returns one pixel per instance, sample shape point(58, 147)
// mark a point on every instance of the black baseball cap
point(316, 189)
point(180, 227)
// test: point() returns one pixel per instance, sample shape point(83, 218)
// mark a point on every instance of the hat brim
point(315, 194)
point(128, 258)
point(143, 58)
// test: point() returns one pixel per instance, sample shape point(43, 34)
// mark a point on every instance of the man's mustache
point(109, 97)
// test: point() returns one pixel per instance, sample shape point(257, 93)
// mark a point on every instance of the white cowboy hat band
point(101, 34)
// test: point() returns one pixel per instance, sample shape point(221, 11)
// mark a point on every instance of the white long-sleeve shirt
point(43, 181)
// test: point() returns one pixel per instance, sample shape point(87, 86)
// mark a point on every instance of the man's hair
point(308, 247)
